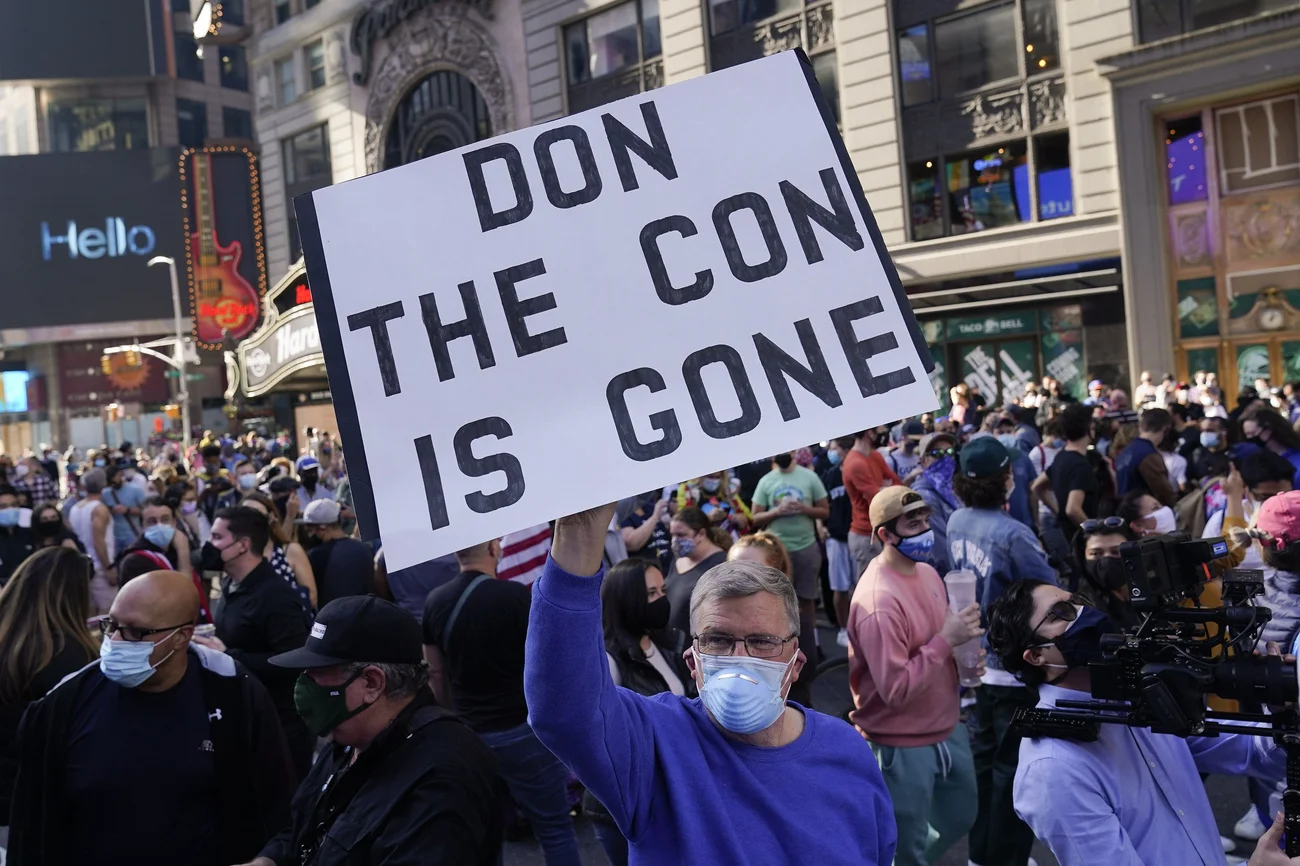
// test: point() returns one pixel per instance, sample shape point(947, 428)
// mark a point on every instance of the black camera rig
point(1157, 675)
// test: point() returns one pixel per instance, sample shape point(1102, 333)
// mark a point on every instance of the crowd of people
point(208, 628)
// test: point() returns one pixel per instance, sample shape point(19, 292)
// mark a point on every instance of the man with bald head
point(475, 627)
point(162, 752)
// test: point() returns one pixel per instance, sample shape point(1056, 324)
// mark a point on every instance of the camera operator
point(1131, 797)
point(1268, 852)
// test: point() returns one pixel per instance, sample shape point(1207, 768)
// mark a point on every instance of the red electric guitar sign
point(224, 301)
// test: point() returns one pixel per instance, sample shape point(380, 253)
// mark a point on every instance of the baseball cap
point(1096, 383)
point(320, 512)
point(358, 628)
point(984, 457)
point(306, 461)
point(892, 503)
point(1279, 516)
point(927, 441)
point(913, 429)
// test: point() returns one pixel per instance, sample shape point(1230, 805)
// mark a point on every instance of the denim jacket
point(999, 549)
point(940, 510)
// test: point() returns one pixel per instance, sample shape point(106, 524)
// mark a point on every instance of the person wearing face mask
point(341, 566)
point(403, 780)
point(697, 547)
point(244, 476)
point(16, 538)
point(258, 616)
point(1268, 429)
point(190, 725)
point(124, 501)
point(738, 775)
point(31, 475)
point(1140, 466)
point(645, 656)
point(475, 629)
point(841, 571)
point(49, 530)
point(985, 539)
point(904, 681)
point(934, 484)
point(904, 458)
point(1145, 515)
point(158, 535)
point(865, 472)
point(309, 487)
point(1104, 585)
point(1131, 796)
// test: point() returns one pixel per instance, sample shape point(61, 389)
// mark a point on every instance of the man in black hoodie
point(159, 753)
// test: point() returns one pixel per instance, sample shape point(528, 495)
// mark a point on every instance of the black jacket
point(254, 775)
point(425, 792)
point(638, 675)
point(16, 544)
point(258, 618)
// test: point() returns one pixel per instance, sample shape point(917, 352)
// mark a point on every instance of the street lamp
point(183, 395)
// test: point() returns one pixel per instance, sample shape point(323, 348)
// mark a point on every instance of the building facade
point(1008, 148)
point(107, 96)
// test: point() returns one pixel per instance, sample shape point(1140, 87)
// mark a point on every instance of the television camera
point(1157, 675)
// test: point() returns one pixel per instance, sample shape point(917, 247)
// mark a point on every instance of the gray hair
point(741, 578)
point(94, 481)
point(400, 680)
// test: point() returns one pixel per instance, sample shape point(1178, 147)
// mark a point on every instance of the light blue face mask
point(743, 694)
point(160, 535)
point(834, 457)
point(9, 517)
point(917, 547)
point(1008, 440)
point(126, 662)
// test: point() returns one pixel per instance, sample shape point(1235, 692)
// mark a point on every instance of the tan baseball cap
point(892, 503)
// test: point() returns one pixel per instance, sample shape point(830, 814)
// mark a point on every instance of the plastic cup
point(961, 595)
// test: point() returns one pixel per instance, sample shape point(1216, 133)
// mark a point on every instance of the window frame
point(112, 101)
point(202, 109)
point(643, 63)
point(298, 186)
point(236, 50)
point(226, 111)
point(309, 68)
point(1017, 37)
point(1186, 20)
point(277, 66)
point(1239, 109)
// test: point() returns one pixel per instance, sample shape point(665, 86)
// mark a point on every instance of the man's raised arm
point(601, 732)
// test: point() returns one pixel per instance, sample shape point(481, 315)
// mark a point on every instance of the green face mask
point(323, 708)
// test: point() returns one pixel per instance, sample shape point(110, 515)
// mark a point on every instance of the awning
point(1055, 283)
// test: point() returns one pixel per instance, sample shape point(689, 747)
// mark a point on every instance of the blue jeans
point(537, 782)
point(613, 841)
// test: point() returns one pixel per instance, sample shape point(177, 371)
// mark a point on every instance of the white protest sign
point(569, 314)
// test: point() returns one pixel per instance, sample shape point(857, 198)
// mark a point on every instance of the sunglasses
point(1062, 611)
point(1106, 524)
point(942, 452)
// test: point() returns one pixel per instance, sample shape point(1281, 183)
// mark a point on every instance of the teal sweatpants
point(934, 794)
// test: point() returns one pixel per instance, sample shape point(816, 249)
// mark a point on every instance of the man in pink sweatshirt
point(904, 680)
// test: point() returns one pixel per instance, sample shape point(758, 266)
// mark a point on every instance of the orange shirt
point(864, 475)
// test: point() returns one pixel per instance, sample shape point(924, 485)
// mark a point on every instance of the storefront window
point(914, 65)
point(1041, 50)
point(98, 124)
point(976, 49)
point(1055, 186)
point(1185, 160)
point(924, 200)
point(984, 189)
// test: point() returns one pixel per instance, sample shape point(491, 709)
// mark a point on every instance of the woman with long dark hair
point(44, 610)
point(645, 656)
point(698, 545)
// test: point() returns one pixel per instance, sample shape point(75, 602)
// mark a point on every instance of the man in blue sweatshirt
point(736, 776)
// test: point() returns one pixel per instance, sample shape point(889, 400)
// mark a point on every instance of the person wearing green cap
point(984, 538)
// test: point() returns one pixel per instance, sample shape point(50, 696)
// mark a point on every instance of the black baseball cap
point(358, 628)
point(984, 457)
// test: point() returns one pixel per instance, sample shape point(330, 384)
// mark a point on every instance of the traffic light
point(106, 364)
point(132, 358)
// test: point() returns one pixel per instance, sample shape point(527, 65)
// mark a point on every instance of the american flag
point(523, 554)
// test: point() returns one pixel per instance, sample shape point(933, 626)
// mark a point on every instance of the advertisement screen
point(13, 390)
point(59, 39)
point(76, 233)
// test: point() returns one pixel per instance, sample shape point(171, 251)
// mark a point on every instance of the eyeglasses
point(1062, 611)
point(760, 646)
point(1102, 525)
point(109, 626)
point(942, 452)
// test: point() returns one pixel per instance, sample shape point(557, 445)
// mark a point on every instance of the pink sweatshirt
point(902, 672)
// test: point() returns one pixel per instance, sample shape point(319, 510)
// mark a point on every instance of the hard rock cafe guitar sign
point(223, 232)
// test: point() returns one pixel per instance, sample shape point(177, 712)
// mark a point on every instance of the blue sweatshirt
point(681, 791)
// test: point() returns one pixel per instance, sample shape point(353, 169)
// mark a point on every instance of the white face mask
point(1165, 520)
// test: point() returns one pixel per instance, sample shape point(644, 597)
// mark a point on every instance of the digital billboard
point(61, 39)
point(76, 232)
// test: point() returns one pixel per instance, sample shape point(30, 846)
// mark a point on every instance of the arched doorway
point(442, 112)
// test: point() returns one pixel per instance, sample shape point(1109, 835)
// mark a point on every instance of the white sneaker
point(1228, 845)
point(843, 640)
point(1249, 827)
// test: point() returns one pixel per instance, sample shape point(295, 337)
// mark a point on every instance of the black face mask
point(47, 528)
point(309, 479)
point(783, 460)
point(1107, 572)
point(1081, 642)
point(210, 558)
point(654, 616)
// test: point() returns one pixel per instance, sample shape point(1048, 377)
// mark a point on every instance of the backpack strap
point(455, 611)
